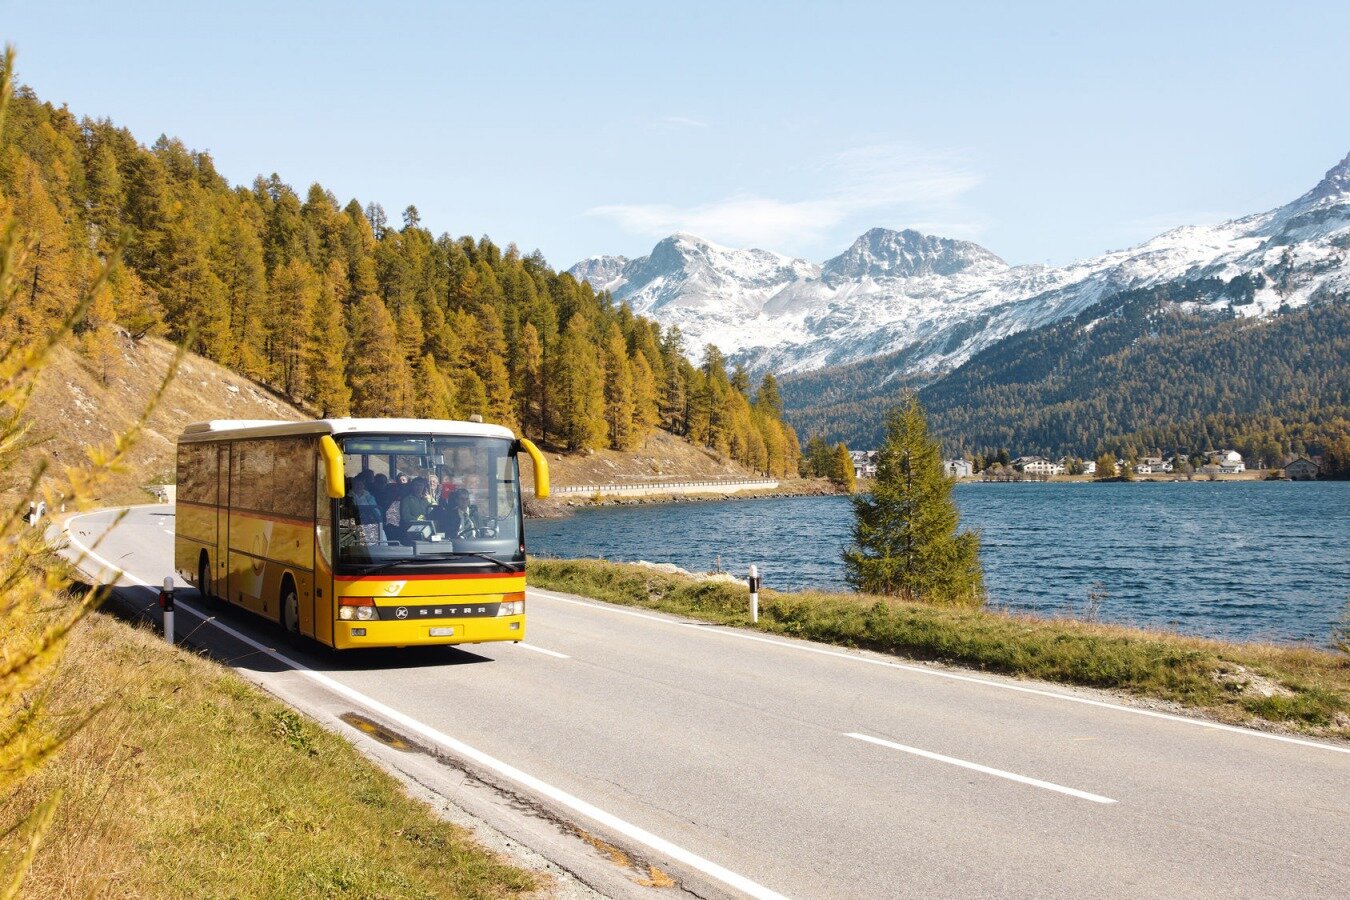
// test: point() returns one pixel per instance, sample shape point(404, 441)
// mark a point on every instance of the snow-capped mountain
point(696, 284)
point(948, 299)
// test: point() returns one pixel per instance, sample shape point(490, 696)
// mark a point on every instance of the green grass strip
point(1299, 688)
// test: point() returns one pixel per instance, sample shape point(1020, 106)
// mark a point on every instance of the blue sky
point(1045, 131)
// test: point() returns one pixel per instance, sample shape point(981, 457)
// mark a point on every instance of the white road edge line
point(576, 804)
point(553, 653)
point(952, 676)
point(1011, 776)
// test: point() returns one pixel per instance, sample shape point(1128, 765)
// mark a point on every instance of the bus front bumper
point(348, 635)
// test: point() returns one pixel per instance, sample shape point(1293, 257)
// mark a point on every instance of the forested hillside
point(1135, 372)
point(344, 311)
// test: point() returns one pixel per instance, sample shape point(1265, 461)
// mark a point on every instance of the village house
point(1228, 462)
point(1301, 469)
point(864, 463)
point(1089, 467)
point(1152, 465)
point(956, 468)
point(1037, 465)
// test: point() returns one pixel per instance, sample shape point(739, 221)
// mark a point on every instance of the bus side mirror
point(540, 468)
point(332, 467)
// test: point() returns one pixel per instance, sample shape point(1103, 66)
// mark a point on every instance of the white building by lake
point(1037, 465)
point(1229, 462)
point(957, 468)
point(864, 463)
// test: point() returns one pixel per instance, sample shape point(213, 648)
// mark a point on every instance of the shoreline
point(556, 507)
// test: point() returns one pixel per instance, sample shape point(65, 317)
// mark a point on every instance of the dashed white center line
point(553, 653)
point(856, 657)
point(976, 767)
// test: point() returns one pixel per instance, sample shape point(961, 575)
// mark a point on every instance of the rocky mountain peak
point(604, 273)
point(883, 253)
point(1336, 183)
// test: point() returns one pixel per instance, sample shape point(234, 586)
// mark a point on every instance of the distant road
point(639, 489)
point(748, 764)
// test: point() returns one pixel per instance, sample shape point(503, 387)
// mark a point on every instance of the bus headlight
point(512, 604)
point(359, 609)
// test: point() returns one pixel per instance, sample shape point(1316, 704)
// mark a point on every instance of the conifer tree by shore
point(905, 539)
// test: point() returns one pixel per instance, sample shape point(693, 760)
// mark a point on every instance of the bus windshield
point(429, 498)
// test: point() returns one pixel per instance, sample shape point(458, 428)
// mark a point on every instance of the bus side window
point(292, 492)
point(197, 473)
point(253, 475)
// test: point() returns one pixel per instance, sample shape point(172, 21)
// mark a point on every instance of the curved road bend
point(746, 764)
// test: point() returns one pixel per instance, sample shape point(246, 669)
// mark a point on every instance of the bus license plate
point(443, 632)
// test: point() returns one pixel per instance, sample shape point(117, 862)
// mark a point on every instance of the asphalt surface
point(746, 764)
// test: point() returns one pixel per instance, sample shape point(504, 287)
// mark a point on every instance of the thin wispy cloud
point(888, 184)
point(679, 123)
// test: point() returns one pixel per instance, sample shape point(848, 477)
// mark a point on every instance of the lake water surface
point(1250, 560)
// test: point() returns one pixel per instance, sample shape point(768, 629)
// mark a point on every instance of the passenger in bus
point(367, 510)
point(464, 516)
point(414, 506)
point(381, 489)
point(394, 493)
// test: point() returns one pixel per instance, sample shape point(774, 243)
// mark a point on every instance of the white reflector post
point(754, 593)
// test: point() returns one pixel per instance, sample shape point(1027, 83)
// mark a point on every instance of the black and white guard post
point(166, 604)
point(754, 593)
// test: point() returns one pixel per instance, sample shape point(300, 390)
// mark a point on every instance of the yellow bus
point(359, 532)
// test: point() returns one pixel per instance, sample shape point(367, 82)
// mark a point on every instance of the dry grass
point(190, 782)
point(72, 409)
point(1301, 689)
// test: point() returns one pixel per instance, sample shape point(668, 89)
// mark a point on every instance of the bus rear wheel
point(204, 579)
point(290, 613)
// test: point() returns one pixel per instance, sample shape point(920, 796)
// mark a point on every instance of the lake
point(1250, 561)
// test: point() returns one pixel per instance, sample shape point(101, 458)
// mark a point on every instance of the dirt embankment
point(73, 409)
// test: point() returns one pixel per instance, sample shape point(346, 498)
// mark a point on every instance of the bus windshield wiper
point(489, 557)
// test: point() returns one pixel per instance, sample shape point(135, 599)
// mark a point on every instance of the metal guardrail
point(662, 485)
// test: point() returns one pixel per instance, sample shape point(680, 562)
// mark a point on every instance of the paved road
point(748, 764)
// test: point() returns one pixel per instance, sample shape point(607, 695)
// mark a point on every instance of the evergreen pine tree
point(905, 541)
point(529, 378)
point(293, 295)
point(433, 395)
point(1106, 466)
point(618, 390)
point(768, 398)
point(98, 336)
point(819, 457)
point(380, 379)
point(581, 388)
point(326, 347)
point(471, 397)
point(646, 412)
point(841, 469)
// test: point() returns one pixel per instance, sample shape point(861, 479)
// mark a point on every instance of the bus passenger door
point(220, 557)
point(324, 609)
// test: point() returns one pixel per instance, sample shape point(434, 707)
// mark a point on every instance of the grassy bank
point(1302, 689)
point(191, 782)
